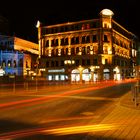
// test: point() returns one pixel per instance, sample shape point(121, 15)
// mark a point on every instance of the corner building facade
point(89, 50)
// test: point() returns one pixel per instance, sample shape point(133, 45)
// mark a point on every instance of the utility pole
point(38, 26)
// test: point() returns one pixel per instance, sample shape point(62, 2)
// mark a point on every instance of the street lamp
point(38, 26)
point(69, 63)
point(80, 68)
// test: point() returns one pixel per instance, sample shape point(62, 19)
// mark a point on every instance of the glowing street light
point(69, 62)
point(38, 25)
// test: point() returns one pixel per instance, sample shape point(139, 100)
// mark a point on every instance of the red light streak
point(23, 103)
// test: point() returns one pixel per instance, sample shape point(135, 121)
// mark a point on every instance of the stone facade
point(88, 50)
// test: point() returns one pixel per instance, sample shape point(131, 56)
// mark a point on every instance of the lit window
point(9, 63)
point(15, 65)
point(3, 64)
point(62, 77)
point(27, 65)
point(56, 77)
point(49, 77)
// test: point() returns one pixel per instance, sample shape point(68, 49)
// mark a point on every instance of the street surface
point(66, 112)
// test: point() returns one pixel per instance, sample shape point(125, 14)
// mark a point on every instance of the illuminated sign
point(57, 70)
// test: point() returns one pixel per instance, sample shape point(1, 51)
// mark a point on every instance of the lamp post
point(69, 63)
point(38, 26)
point(80, 68)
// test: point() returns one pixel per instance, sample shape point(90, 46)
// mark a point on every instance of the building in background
point(88, 50)
point(17, 56)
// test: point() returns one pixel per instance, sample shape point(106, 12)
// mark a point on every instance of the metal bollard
point(136, 92)
point(132, 93)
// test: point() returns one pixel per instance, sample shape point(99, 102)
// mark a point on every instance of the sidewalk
point(123, 123)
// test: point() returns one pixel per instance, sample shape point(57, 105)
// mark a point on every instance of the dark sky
point(23, 15)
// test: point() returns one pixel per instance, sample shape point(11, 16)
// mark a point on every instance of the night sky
point(23, 15)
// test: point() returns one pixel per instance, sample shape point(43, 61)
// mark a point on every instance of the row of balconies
point(62, 52)
point(77, 62)
point(71, 41)
point(71, 51)
point(72, 27)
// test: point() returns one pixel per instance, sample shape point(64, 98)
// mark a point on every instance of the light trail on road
point(78, 121)
point(38, 100)
point(58, 131)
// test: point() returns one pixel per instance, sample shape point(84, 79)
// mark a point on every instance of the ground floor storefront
point(87, 74)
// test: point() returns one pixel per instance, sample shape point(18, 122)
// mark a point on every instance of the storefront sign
point(57, 70)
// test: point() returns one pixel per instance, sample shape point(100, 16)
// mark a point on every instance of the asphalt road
point(67, 114)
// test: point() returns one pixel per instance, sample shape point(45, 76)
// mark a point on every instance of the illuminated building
point(17, 55)
point(88, 50)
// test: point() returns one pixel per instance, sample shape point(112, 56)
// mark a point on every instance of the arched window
point(66, 51)
point(3, 63)
point(56, 42)
point(62, 41)
point(88, 50)
point(77, 40)
point(27, 66)
point(62, 51)
point(75, 71)
point(56, 51)
point(47, 43)
point(83, 50)
point(66, 41)
point(75, 75)
point(53, 52)
point(9, 63)
point(20, 62)
point(53, 42)
point(72, 51)
point(72, 40)
point(86, 76)
point(88, 39)
point(94, 38)
point(83, 39)
point(77, 50)
point(14, 64)
point(105, 38)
